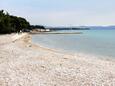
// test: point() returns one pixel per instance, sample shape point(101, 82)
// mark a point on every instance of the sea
point(94, 42)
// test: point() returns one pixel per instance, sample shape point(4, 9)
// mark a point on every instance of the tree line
point(37, 26)
point(10, 23)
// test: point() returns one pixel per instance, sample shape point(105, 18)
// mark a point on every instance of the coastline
point(26, 64)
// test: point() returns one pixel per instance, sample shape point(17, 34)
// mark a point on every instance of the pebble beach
point(23, 63)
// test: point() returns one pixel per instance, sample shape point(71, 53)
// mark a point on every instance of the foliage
point(37, 27)
point(9, 23)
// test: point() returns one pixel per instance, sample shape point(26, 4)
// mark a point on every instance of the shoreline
point(27, 64)
point(55, 33)
point(101, 57)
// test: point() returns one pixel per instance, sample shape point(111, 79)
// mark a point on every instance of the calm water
point(94, 42)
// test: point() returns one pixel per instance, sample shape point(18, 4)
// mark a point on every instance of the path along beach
point(23, 63)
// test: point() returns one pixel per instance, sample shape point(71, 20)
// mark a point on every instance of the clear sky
point(63, 12)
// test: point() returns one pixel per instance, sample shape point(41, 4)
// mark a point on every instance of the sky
point(63, 12)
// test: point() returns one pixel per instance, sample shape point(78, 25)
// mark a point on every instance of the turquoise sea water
point(94, 42)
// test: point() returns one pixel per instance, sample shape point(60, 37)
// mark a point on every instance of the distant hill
point(67, 28)
point(83, 28)
point(101, 27)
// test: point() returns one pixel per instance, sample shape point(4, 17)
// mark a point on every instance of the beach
point(23, 63)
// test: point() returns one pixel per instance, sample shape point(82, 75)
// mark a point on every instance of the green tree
point(10, 23)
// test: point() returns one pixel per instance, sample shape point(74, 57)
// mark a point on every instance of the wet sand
point(23, 63)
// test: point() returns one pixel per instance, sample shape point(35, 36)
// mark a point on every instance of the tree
point(9, 23)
